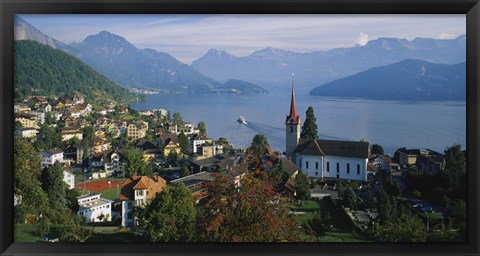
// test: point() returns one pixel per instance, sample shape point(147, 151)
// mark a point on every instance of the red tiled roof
point(153, 185)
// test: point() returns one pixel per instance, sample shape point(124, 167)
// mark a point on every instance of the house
point(40, 116)
point(68, 133)
point(186, 128)
point(195, 142)
point(68, 177)
point(137, 130)
point(169, 144)
point(27, 120)
point(196, 184)
point(383, 162)
point(98, 145)
point(236, 174)
point(114, 162)
point(27, 132)
point(108, 163)
point(122, 109)
point(150, 150)
point(137, 191)
point(50, 156)
point(21, 108)
point(424, 159)
point(318, 158)
point(209, 164)
point(94, 208)
point(73, 153)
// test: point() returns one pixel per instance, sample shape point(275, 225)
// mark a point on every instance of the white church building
point(318, 158)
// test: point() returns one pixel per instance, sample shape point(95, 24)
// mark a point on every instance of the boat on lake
point(242, 120)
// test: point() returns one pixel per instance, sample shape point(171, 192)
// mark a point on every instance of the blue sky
point(188, 37)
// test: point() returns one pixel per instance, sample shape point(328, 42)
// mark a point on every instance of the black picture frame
point(11, 7)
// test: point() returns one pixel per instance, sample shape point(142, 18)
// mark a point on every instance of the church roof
point(293, 118)
point(333, 148)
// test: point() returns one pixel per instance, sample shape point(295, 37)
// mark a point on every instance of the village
point(116, 161)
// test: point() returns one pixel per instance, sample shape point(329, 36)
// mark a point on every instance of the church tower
point(292, 125)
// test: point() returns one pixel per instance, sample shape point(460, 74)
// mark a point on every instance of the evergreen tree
point(203, 130)
point(183, 141)
point(53, 184)
point(302, 188)
point(309, 128)
point(376, 149)
point(177, 119)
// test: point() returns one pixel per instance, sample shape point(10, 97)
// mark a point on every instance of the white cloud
point(447, 36)
point(362, 39)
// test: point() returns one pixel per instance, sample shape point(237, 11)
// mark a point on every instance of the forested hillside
point(42, 70)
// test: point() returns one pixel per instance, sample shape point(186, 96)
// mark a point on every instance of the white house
point(27, 132)
point(50, 156)
point(93, 207)
point(111, 161)
point(137, 191)
point(69, 178)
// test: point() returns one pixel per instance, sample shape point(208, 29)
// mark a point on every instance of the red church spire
point(293, 118)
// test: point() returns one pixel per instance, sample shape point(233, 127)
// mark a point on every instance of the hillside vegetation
point(42, 70)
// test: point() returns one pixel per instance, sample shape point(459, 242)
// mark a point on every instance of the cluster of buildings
point(316, 158)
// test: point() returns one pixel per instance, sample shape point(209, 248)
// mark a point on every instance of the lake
point(389, 123)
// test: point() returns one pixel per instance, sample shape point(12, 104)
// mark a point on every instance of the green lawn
point(111, 194)
point(126, 117)
point(26, 233)
point(342, 230)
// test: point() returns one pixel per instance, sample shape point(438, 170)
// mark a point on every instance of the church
point(318, 158)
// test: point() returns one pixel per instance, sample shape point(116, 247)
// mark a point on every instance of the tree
point(134, 164)
point(278, 172)
point(319, 224)
point(185, 171)
point(74, 141)
point(74, 232)
point(88, 133)
point(252, 212)
point(171, 215)
point(350, 198)
point(177, 119)
point(203, 130)
point(406, 228)
point(183, 141)
point(455, 159)
point(376, 149)
point(50, 137)
point(53, 184)
point(309, 128)
point(386, 209)
point(26, 182)
point(121, 141)
point(18, 125)
point(302, 188)
point(259, 146)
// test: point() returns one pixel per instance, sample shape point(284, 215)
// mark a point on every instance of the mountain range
point(119, 60)
point(272, 67)
point(405, 80)
point(221, 72)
